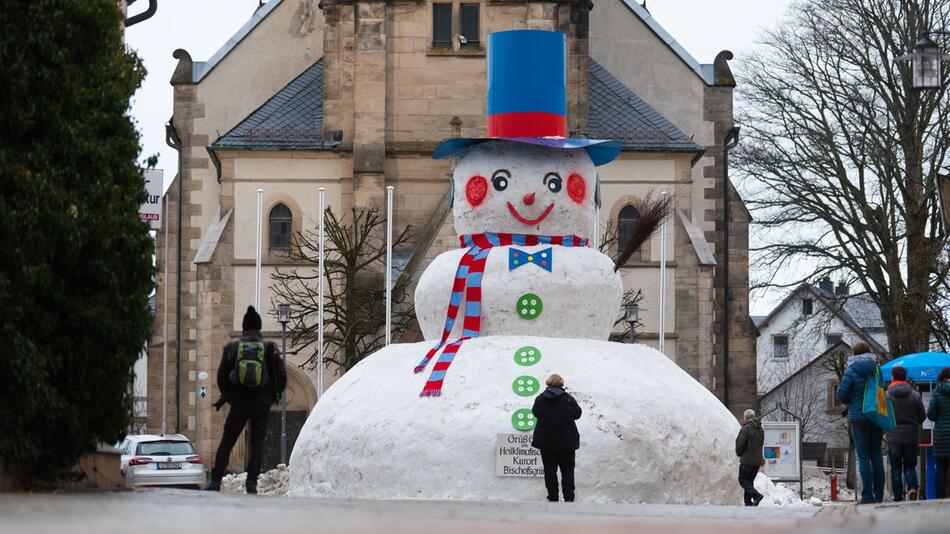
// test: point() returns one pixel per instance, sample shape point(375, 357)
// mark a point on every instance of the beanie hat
point(252, 321)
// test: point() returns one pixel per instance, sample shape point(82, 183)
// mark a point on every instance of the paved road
point(200, 512)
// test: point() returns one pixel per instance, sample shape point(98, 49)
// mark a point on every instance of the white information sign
point(781, 450)
point(515, 457)
point(151, 210)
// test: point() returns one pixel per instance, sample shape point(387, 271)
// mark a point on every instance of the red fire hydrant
point(834, 486)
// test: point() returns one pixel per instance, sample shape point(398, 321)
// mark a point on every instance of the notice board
point(782, 450)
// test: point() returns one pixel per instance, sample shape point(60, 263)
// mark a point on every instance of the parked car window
point(166, 447)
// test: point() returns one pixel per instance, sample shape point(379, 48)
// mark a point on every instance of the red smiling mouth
point(530, 222)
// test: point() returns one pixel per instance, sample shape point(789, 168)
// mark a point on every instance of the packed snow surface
point(649, 433)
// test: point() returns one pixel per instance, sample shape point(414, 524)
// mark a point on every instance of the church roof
point(290, 120)
point(293, 118)
point(704, 71)
point(616, 112)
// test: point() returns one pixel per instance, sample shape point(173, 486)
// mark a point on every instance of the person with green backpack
point(867, 435)
point(251, 378)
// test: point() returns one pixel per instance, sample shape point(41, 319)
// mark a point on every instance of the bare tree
point(354, 303)
point(840, 158)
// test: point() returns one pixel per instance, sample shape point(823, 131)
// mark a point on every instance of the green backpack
point(250, 369)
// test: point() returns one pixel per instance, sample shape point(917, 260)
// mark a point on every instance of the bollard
point(834, 486)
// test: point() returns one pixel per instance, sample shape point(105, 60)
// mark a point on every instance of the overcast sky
point(703, 27)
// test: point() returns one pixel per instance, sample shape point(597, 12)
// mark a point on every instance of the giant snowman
point(524, 297)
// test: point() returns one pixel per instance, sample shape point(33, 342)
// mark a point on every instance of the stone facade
point(388, 98)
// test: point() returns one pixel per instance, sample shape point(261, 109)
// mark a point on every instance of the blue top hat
point(527, 96)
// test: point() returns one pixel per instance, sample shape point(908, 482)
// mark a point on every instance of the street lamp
point(631, 314)
point(283, 317)
point(925, 60)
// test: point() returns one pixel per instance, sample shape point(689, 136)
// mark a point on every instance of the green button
point(523, 419)
point(527, 355)
point(526, 386)
point(529, 306)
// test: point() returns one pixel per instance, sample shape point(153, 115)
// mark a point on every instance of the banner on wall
point(151, 209)
point(782, 450)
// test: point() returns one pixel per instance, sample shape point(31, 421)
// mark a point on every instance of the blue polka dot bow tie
point(541, 258)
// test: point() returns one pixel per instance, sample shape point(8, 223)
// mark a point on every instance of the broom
point(652, 214)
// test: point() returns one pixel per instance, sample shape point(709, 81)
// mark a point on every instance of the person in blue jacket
point(867, 436)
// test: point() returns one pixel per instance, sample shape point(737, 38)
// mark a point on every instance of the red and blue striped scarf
point(468, 279)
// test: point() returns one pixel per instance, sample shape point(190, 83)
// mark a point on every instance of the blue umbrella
point(921, 367)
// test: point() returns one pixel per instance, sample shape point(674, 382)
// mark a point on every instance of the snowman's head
point(507, 187)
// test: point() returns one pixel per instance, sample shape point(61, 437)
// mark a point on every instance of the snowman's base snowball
point(649, 432)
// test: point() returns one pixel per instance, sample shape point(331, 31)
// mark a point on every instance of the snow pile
point(820, 487)
point(649, 432)
point(780, 494)
point(273, 482)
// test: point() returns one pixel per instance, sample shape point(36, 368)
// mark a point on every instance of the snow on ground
point(779, 494)
point(273, 482)
point(820, 487)
point(649, 432)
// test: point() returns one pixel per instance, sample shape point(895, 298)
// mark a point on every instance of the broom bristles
point(652, 214)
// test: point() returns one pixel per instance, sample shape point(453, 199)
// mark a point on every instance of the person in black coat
point(251, 389)
point(556, 436)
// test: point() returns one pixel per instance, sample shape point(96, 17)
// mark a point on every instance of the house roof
point(293, 118)
point(616, 112)
point(704, 71)
point(839, 346)
point(858, 311)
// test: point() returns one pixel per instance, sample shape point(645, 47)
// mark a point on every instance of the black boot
point(213, 485)
point(251, 487)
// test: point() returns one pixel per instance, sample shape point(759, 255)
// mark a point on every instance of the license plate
point(169, 465)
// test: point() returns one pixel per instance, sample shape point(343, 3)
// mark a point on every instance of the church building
point(354, 95)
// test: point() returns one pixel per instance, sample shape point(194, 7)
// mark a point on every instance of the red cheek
point(476, 189)
point(576, 188)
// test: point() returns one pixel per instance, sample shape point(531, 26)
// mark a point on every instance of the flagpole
point(165, 330)
point(389, 263)
point(320, 276)
point(257, 265)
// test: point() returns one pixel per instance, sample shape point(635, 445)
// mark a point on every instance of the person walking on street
point(556, 436)
point(867, 436)
point(251, 378)
point(939, 413)
point(902, 442)
point(749, 450)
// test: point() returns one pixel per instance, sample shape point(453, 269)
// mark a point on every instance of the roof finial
point(645, 6)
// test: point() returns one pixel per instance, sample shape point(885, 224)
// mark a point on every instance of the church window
point(441, 25)
point(280, 227)
point(468, 26)
point(626, 224)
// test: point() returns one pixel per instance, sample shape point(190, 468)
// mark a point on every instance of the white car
point(161, 460)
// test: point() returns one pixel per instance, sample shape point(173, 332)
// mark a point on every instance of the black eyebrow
point(506, 171)
point(550, 174)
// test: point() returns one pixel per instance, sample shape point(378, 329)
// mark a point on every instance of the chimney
point(841, 290)
point(827, 286)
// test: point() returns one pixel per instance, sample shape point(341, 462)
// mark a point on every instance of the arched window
point(280, 227)
point(626, 223)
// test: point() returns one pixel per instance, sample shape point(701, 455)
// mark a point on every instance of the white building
point(801, 350)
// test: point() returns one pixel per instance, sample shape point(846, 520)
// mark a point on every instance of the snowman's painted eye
point(476, 189)
point(576, 188)
point(553, 181)
point(499, 180)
